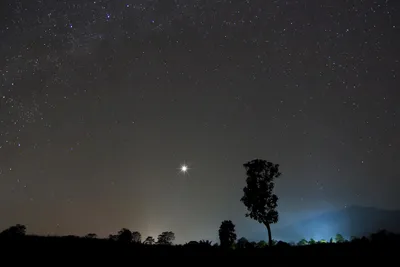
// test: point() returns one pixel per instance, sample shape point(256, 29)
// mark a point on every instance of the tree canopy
point(166, 238)
point(258, 197)
point(227, 234)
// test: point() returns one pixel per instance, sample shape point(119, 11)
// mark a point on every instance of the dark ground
point(73, 250)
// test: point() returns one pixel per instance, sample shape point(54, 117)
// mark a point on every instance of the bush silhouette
point(124, 236)
point(18, 230)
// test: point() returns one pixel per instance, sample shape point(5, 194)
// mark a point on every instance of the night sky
point(101, 102)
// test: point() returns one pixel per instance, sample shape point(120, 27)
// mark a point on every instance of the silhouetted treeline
point(227, 236)
point(380, 246)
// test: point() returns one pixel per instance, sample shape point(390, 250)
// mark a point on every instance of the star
point(184, 169)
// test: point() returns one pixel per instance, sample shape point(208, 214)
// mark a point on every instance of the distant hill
point(352, 221)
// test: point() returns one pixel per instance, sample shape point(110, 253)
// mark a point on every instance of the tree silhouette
point(205, 243)
point(258, 196)
point(227, 234)
point(91, 235)
point(339, 238)
point(166, 238)
point(243, 243)
point(302, 242)
point(281, 244)
point(136, 237)
point(199, 244)
point(192, 243)
point(261, 244)
point(124, 235)
point(149, 240)
point(113, 237)
point(14, 231)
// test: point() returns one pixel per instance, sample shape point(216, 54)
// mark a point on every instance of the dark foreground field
point(72, 250)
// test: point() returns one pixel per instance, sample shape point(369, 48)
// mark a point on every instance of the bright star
point(184, 168)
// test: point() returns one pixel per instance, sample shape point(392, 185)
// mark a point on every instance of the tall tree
point(259, 199)
point(227, 234)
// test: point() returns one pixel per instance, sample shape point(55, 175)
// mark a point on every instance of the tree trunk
point(269, 234)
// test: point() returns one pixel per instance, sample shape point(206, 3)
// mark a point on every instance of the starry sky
point(102, 101)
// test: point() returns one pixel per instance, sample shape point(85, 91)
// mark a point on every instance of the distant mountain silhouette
point(352, 221)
